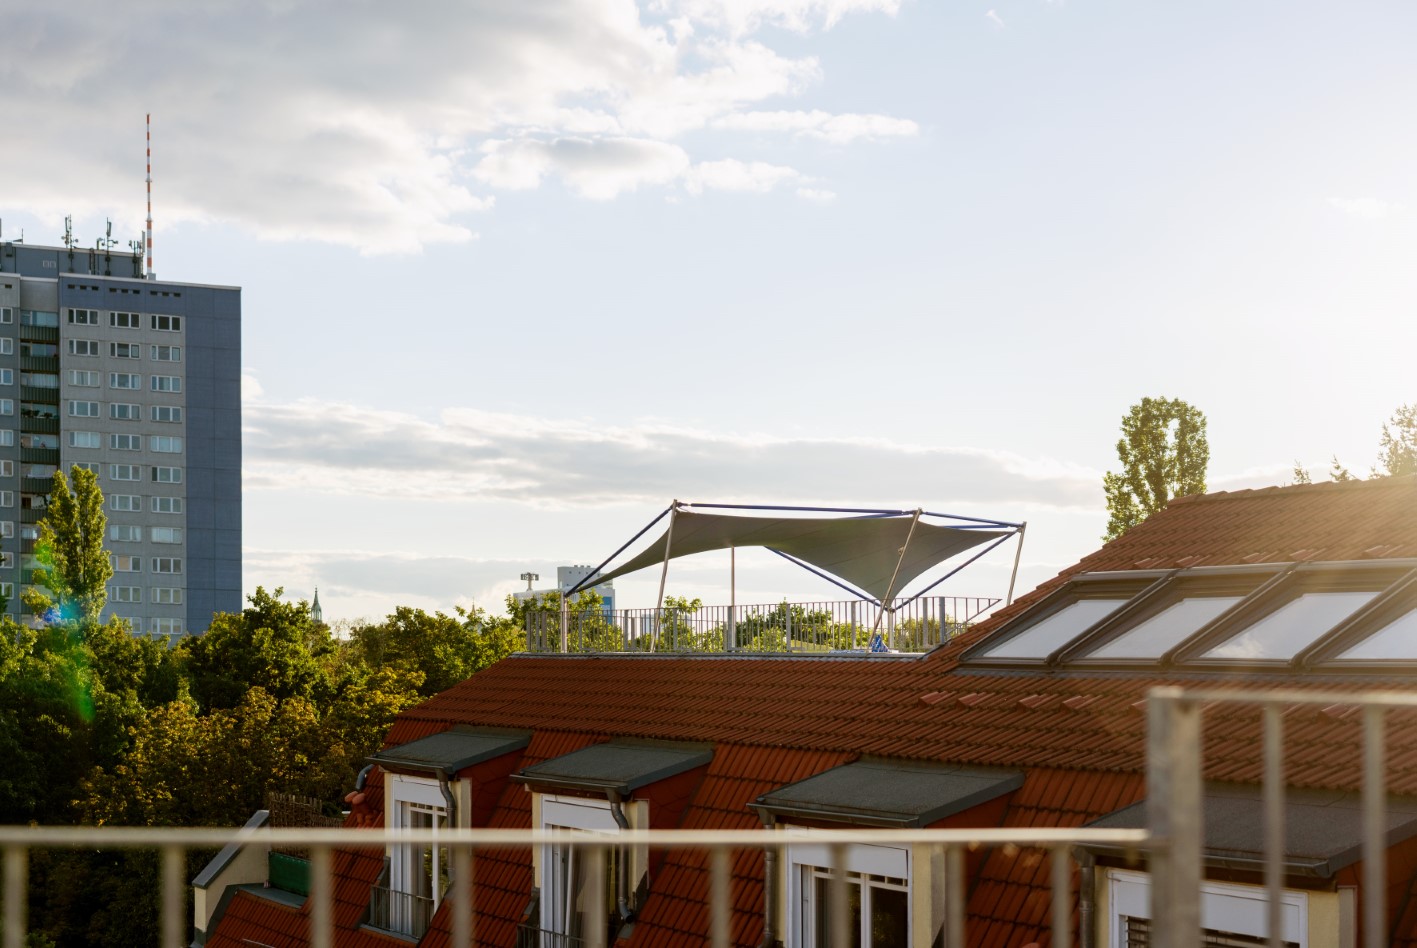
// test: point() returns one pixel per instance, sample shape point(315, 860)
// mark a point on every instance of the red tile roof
point(1079, 735)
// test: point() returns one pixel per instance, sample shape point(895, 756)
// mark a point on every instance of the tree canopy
point(1164, 454)
point(71, 579)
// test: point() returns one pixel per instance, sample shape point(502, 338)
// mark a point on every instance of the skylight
point(1282, 633)
point(1046, 637)
point(1167, 629)
point(1396, 640)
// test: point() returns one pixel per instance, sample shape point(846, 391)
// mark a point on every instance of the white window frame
point(558, 860)
point(806, 858)
point(173, 413)
point(171, 384)
point(7, 406)
point(1241, 909)
point(7, 345)
point(409, 794)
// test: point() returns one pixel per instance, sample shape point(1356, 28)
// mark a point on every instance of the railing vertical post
point(596, 916)
point(1062, 872)
point(462, 897)
point(838, 914)
point(565, 626)
point(718, 897)
point(1174, 811)
point(787, 625)
point(954, 897)
point(1374, 829)
point(855, 620)
point(321, 927)
point(940, 608)
point(174, 919)
point(17, 870)
point(1274, 821)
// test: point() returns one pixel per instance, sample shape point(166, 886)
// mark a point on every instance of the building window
point(166, 534)
point(125, 472)
point(85, 439)
point(7, 498)
point(93, 467)
point(7, 529)
point(163, 444)
point(83, 409)
point(82, 378)
point(123, 563)
point(83, 347)
point(124, 380)
point(7, 376)
point(125, 442)
point(7, 406)
point(1232, 914)
point(7, 315)
point(878, 888)
point(167, 475)
point(83, 317)
point(167, 627)
point(167, 595)
point(125, 350)
point(167, 383)
point(167, 323)
point(124, 533)
point(125, 593)
point(124, 320)
point(7, 345)
point(7, 468)
point(167, 564)
point(418, 872)
point(169, 505)
point(122, 411)
point(562, 868)
point(166, 413)
point(7, 437)
point(125, 502)
point(7, 561)
point(7, 589)
point(167, 354)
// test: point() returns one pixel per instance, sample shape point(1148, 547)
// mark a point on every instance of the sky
point(515, 275)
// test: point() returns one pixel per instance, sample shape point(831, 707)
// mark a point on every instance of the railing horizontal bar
point(138, 837)
point(1365, 699)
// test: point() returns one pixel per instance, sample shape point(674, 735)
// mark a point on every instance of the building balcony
point(39, 363)
point(31, 514)
point(40, 455)
point(801, 628)
point(39, 333)
point(401, 913)
point(38, 393)
point(35, 424)
point(36, 485)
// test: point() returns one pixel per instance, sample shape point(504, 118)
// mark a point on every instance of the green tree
point(1164, 454)
point(443, 649)
point(73, 565)
point(1398, 445)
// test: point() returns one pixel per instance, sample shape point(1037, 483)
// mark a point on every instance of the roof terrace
point(870, 553)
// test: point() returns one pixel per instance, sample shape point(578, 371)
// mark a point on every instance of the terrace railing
point(915, 625)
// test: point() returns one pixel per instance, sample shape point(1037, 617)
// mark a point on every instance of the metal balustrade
point(1171, 843)
point(909, 625)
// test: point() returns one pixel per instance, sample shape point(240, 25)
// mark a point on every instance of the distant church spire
point(316, 615)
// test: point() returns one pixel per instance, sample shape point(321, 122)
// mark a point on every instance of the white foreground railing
point(1172, 843)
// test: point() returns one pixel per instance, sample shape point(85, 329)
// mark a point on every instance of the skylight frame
point(1391, 604)
point(1378, 576)
point(1126, 585)
point(1246, 581)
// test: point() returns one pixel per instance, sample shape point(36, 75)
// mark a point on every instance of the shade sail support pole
point(1018, 555)
point(664, 574)
point(730, 632)
point(596, 572)
point(890, 587)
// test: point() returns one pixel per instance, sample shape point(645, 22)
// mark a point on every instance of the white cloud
point(312, 119)
point(476, 456)
point(838, 129)
point(995, 18)
point(816, 195)
point(1366, 208)
point(251, 388)
point(733, 175)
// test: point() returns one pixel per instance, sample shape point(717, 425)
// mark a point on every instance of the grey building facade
point(140, 381)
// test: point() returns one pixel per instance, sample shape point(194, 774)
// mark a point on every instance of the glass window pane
point(1397, 639)
point(1057, 630)
point(1282, 633)
point(1166, 629)
point(888, 918)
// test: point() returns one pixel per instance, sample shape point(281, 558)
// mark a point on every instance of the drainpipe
point(363, 778)
point(769, 887)
point(622, 904)
point(1087, 897)
point(448, 798)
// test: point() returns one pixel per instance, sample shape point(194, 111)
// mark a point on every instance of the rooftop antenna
point(530, 578)
point(69, 238)
point(151, 274)
point(108, 243)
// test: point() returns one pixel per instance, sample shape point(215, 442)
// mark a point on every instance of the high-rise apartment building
point(139, 380)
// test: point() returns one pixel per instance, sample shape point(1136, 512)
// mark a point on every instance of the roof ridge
point(1370, 483)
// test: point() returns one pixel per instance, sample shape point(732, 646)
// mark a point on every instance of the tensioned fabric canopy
point(863, 551)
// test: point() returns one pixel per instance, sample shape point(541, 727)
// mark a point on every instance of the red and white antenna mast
point(149, 235)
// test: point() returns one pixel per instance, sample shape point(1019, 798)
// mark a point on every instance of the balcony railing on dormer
point(913, 625)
